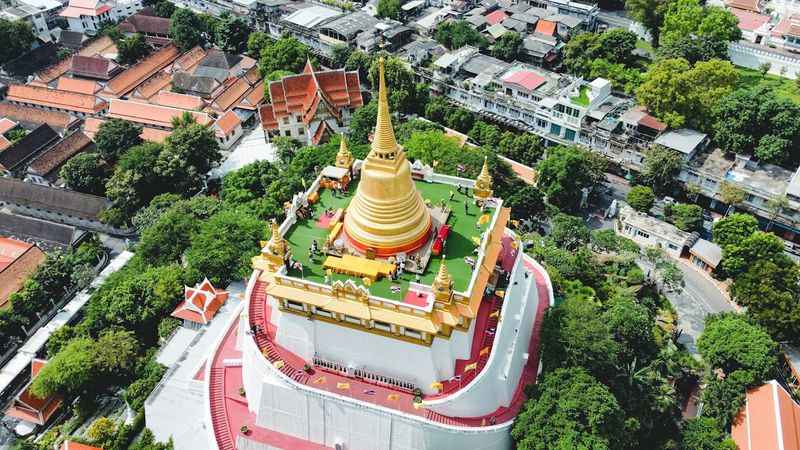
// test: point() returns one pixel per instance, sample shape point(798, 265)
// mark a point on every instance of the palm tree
point(183, 120)
point(776, 205)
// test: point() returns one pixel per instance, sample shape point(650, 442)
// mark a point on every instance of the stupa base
point(385, 252)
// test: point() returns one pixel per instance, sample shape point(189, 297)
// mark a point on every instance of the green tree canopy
point(389, 9)
point(85, 172)
point(570, 409)
point(566, 172)
point(132, 49)
point(687, 217)
point(186, 29)
point(17, 37)
point(689, 18)
point(508, 47)
point(287, 53)
point(730, 343)
point(257, 41)
point(661, 168)
point(456, 34)
point(231, 33)
point(650, 13)
point(115, 137)
point(188, 154)
point(641, 198)
point(733, 229)
point(527, 203)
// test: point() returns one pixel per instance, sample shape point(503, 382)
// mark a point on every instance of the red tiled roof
point(234, 91)
point(175, 100)
point(58, 154)
point(94, 67)
point(200, 303)
point(267, 115)
point(56, 70)
point(78, 85)
point(190, 59)
point(747, 5)
point(72, 445)
point(36, 116)
point(748, 20)
point(147, 114)
point(92, 124)
point(496, 17)
point(4, 143)
point(138, 73)
point(139, 23)
point(227, 123)
point(788, 26)
point(301, 94)
point(55, 98)
point(254, 97)
point(10, 250)
point(6, 125)
point(526, 79)
point(77, 8)
point(651, 122)
point(320, 133)
point(159, 82)
point(30, 408)
point(769, 420)
point(545, 27)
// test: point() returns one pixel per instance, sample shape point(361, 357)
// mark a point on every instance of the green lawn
point(459, 244)
point(583, 97)
point(784, 87)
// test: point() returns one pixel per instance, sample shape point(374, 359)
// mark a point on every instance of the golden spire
point(483, 184)
point(387, 215)
point(443, 283)
point(276, 244)
point(344, 158)
point(383, 141)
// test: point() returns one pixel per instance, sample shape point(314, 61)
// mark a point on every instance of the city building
point(649, 231)
point(354, 334)
point(15, 158)
point(36, 17)
point(86, 16)
point(45, 168)
point(79, 104)
point(18, 260)
point(154, 29)
point(313, 105)
point(770, 419)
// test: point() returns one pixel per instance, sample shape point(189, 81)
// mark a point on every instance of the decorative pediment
point(349, 289)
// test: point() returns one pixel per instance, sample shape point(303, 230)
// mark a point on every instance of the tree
point(339, 55)
point(389, 9)
point(569, 232)
point(460, 119)
point(687, 217)
point(186, 29)
point(362, 122)
point(614, 46)
point(287, 53)
point(566, 172)
point(768, 289)
point(404, 94)
point(456, 34)
point(115, 137)
point(661, 168)
point(641, 198)
point(222, 248)
point(733, 229)
point(731, 194)
point(438, 108)
point(730, 343)
point(527, 203)
point(570, 409)
point(102, 431)
point(164, 8)
point(231, 33)
point(17, 37)
point(134, 181)
point(508, 47)
point(132, 49)
point(704, 433)
point(188, 154)
point(606, 240)
point(689, 18)
point(256, 42)
point(694, 48)
point(755, 122)
point(85, 172)
point(759, 246)
point(679, 94)
point(525, 148)
point(360, 61)
point(650, 13)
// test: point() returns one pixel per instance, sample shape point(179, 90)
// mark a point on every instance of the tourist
point(451, 195)
point(466, 207)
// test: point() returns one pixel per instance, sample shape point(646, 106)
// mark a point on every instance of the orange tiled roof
point(139, 72)
point(769, 420)
point(78, 85)
point(267, 115)
point(227, 123)
point(56, 70)
point(92, 124)
point(6, 125)
point(35, 116)
point(545, 27)
point(189, 60)
point(103, 44)
point(254, 98)
point(747, 5)
point(58, 154)
point(175, 100)
point(30, 408)
point(72, 445)
point(200, 303)
point(297, 94)
point(54, 98)
point(4, 143)
point(231, 95)
point(148, 114)
point(159, 82)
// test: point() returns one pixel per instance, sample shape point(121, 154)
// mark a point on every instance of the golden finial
point(483, 184)
point(276, 244)
point(383, 141)
point(443, 283)
point(344, 158)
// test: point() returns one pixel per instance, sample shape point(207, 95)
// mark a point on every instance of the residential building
point(786, 33)
point(154, 29)
point(92, 125)
point(94, 67)
point(18, 260)
point(47, 235)
point(130, 79)
point(153, 116)
point(78, 104)
point(34, 16)
point(769, 419)
point(228, 129)
point(29, 118)
point(86, 16)
point(15, 158)
point(44, 169)
point(684, 141)
point(313, 105)
point(649, 231)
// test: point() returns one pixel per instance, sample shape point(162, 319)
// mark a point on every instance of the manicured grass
point(784, 87)
point(459, 244)
point(583, 96)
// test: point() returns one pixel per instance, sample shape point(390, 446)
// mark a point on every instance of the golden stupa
point(387, 215)
point(483, 184)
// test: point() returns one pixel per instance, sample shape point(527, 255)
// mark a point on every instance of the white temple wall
point(418, 364)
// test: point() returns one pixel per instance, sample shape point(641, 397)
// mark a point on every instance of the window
point(352, 319)
point(555, 129)
point(324, 312)
point(286, 120)
point(569, 134)
point(295, 305)
point(382, 326)
point(413, 334)
point(643, 234)
point(672, 246)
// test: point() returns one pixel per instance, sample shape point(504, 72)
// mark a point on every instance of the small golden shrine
point(483, 184)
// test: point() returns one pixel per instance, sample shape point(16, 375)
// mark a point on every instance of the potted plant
point(307, 368)
point(242, 392)
point(245, 430)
